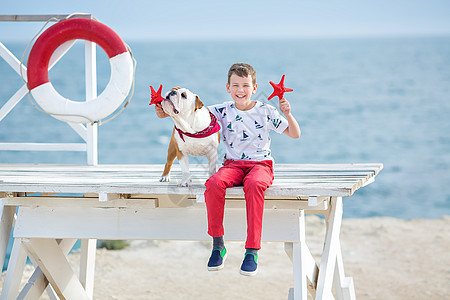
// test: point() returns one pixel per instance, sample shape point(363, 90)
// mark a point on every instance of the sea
point(357, 100)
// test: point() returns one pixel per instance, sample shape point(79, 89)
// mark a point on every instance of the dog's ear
point(198, 103)
point(175, 88)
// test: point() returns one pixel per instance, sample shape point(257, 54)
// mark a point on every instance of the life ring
point(74, 111)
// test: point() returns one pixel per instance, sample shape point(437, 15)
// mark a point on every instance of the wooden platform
point(58, 204)
point(340, 180)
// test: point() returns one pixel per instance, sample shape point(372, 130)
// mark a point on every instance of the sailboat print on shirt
point(258, 126)
point(244, 156)
point(222, 111)
point(229, 127)
point(244, 136)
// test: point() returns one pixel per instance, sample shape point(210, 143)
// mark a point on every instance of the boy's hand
point(160, 112)
point(285, 107)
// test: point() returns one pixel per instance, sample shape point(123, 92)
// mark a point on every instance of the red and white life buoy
point(74, 111)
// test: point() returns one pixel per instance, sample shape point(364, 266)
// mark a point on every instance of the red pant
point(256, 176)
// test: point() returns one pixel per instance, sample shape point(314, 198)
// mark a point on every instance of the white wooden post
point(15, 270)
point(87, 265)
point(299, 261)
point(330, 251)
point(91, 93)
point(6, 221)
point(88, 247)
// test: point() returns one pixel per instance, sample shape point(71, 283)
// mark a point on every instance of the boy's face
point(241, 88)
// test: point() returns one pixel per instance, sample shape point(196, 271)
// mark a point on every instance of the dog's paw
point(165, 178)
point(185, 182)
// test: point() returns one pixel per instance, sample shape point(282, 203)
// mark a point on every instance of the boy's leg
point(256, 182)
point(227, 176)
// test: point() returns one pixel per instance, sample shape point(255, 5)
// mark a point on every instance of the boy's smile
point(241, 90)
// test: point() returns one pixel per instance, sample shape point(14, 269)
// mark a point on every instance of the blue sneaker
point(249, 266)
point(217, 259)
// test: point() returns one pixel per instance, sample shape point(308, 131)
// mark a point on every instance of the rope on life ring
point(120, 83)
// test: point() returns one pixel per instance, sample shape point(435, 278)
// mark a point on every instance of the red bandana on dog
point(213, 127)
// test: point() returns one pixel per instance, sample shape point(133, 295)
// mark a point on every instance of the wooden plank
point(161, 223)
point(299, 250)
point(14, 272)
point(80, 202)
point(6, 222)
point(39, 18)
point(13, 101)
point(301, 180)
point(330, 250)
point(56, 268)
point(340, 189)
point(43, 146)
point(37, 282)
point(87, 265)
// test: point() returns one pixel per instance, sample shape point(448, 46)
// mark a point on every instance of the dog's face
point(180, 101)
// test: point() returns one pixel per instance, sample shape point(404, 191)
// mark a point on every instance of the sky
point(240, 19)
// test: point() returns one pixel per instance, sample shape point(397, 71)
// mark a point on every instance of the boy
point(245, 129)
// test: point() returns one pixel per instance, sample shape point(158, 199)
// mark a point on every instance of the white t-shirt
point(246, 133)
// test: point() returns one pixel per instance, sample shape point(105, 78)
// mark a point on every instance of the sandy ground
point(388, 259)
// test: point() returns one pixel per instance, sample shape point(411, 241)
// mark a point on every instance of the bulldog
point(196, 132)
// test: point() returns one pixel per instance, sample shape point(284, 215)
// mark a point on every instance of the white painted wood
point(43, 146)
point(102, 197)
point(87, 265)
point(138, 206)
point(79, 202)
point(329, 255)
point(6, 222)
point(80, 129)
point(91, 93)
point(298, 260)
point(371, 180)
point(30, 18)
point(160, 223)
point(312, 201)
point(348, 289)
point(12, 102)
point(14, 272)
point(291, 294)
point(12, 61)
point(343, 286)
point(200, 198)
point(38, 283)
point(88, 134)
point(145, 180)
point(56, 268)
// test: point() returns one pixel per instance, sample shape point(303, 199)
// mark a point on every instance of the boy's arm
point(293, 129)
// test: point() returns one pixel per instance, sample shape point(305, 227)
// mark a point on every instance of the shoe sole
point(218, 268)
point(246, 273)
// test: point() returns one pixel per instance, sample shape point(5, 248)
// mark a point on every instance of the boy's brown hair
point(242, 70)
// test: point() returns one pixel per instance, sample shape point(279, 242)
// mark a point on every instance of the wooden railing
point(87, 132)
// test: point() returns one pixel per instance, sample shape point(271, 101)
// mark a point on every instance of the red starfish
point(279, 89)
point(156, 97)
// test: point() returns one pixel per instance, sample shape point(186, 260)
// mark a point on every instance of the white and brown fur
point(191, 116)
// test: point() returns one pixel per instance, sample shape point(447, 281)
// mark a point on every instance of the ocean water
point(361, 100)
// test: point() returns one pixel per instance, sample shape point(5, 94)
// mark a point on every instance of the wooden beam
point(39, 18)
point(330, 251)
point(56, 268)
point(43, 147)
point(161, 223)
point(38, 283)
point(6, 222)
